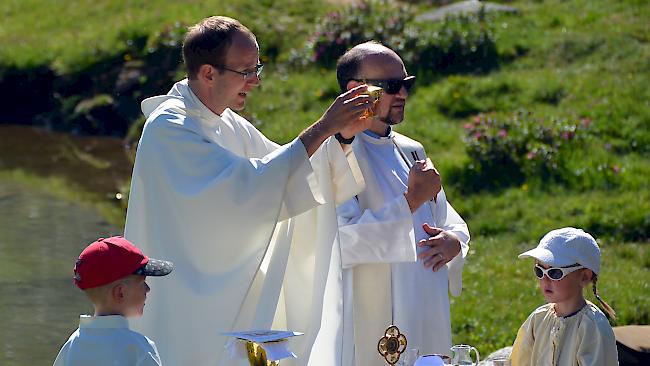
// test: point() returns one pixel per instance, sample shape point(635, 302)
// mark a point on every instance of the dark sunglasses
point(391, 86)
point(555, 273)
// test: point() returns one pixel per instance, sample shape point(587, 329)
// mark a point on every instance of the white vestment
point(238, 215)
point(384, 282)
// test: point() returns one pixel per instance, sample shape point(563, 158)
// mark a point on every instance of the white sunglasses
point(555, 273)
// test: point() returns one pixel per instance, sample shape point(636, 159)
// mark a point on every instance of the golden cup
point(375, 92)
point(257, 355)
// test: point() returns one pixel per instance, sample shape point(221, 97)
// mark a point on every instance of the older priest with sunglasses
point(236, 212)
point(402, 244)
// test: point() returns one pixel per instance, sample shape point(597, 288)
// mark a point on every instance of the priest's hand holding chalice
point(368, 97)
point(375, 93)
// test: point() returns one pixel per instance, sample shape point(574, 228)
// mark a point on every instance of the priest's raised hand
point(343, 116)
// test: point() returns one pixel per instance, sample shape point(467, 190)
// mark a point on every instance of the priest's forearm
point(413, 201)
point(314, 136)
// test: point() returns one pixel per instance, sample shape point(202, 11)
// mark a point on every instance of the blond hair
point(611, 314)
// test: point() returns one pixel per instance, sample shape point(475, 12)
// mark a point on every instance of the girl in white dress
point(569, 330)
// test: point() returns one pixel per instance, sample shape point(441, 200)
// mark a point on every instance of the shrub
point(457, 45)
point(519, 148)
point(380, 20)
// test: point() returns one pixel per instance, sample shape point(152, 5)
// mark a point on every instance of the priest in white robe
point(236, 212)
point(402, 244)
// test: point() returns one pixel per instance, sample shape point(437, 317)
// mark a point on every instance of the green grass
point(573, 59)
point(71, 35)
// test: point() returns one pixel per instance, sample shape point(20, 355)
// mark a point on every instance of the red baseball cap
point(107, 260)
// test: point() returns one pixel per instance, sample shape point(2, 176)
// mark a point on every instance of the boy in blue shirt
point(112, 273)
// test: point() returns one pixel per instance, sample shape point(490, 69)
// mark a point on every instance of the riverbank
point(79, 169)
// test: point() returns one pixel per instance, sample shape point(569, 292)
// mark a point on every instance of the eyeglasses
point(246, 74)
point(555, 273)
point(391, 86)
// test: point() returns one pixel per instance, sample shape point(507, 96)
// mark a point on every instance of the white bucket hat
point(566, 246)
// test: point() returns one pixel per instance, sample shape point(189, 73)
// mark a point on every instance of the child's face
point(135, 294)
point(567, 289)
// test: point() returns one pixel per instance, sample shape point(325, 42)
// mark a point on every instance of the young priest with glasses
point(402, 244)
point(234, 210)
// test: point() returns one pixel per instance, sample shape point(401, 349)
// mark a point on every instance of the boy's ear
point(118, 293)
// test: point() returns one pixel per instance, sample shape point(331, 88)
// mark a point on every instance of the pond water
point(99, 165)
point(42, 234)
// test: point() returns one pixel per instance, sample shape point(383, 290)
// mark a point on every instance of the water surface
point(42, 233)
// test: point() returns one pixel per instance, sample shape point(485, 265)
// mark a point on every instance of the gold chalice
point(375, 92)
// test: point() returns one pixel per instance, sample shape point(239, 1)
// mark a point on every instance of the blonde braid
point(611, 314)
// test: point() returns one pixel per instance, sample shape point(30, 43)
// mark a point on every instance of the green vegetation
point(581, 62)
point(72, 36)
point(453, 45)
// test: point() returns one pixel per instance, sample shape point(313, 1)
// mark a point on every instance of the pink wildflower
point(567, 135)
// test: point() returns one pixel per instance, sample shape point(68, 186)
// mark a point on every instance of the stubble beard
point(389, 120)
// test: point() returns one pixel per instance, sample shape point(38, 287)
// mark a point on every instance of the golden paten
point(392, 344)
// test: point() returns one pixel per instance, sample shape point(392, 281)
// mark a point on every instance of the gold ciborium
point(257, 355)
